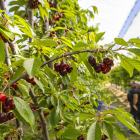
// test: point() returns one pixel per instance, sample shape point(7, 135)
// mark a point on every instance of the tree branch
point(41, 116)
point(51, 60)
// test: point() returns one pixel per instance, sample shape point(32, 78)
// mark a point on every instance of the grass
point(116, 102)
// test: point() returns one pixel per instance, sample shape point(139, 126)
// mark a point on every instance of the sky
point(111, 15)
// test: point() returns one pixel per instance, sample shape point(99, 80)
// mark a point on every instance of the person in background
point(130, 99)
point(136, 99)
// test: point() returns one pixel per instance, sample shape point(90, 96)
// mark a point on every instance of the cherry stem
point(1, 108)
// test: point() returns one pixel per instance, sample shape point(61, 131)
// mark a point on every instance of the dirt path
point(121, 96)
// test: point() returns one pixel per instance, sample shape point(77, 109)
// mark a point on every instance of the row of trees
point(48, 104)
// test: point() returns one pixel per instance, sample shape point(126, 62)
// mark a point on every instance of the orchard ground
point(119, 99)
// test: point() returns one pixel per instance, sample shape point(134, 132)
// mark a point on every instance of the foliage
point(69, 100)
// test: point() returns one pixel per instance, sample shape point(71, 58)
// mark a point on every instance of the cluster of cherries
point(7, 105)
point(98, 67)
point(14, 85)
point(34, 4)
point(29, 80)
point(63, 68)
point(51, 4)
point(56, 18)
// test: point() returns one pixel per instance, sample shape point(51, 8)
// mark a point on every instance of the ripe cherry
point(8, 138)
point(63, 66)
point(5, 75)
point(53, 32)
point(3, 117)
point(33, 83)
point(15, 85)
point(60, 15)
point(104, 68)
point(106, 60)
point(111, 63)
point(10, 115)
point(92, 60)
point(103, 137)
point(98, 71)
point(64, 104)
point(58, 42)
point(19, 96)
point(51, 107)
point(69, 69)
point(12, 106)
point(63, 72)
point(6, 109)
point(39, 128)
point(80, 138)
point(97, 67)
point(2, 96)
point(57, 67)
point(87, 102)
point(46, 114)
point(56, 18)
point(8, 101)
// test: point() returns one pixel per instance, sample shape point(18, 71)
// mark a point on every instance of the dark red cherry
point(3, 117)
point(63, 72)
point(33, 83)
point(58, 42)
point(6, 109)
point(8, 101)
point(64, 104)
point(98, 71)
point(103, 68)
point(51, 107)
point(63, 66)
point(46, 114)
point(39, 128)
point(57, 67)
point(2, 96)
point(97, 67)
point(69, 69)
point(10, 115)
point(19, 96)
point(8, 138)
point(92, 60)
point(87, 102)
point(12, 106)
point(80, 138)
point(53, 32)
point(103, 137)
point(111, 63)
point(106, 60)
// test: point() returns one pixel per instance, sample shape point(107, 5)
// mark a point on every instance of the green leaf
point(83, 57)
point(126, 123)
point(26, 27)
point(95, 9)
point(14, 9)
point(39, 84)
point(25, 111)
point(79, 46)
point(118, 132)
point(54, 100)
point(135, 40)
point(54, 117)
point(74, 73)
point(120, 41)
point(127, 66)
point(43, 12)
point(2, 50)
point(98, 36)
point(108, 130)
point(109, 119)
point(94, 132)
point(23, 89)
point(134, 50)
point(71, 132)
point(44, 42)
point(65, 80)
point(17, 63)
point(111, 112)
point(83, 116)
point(32, 65)
point(18, 73)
